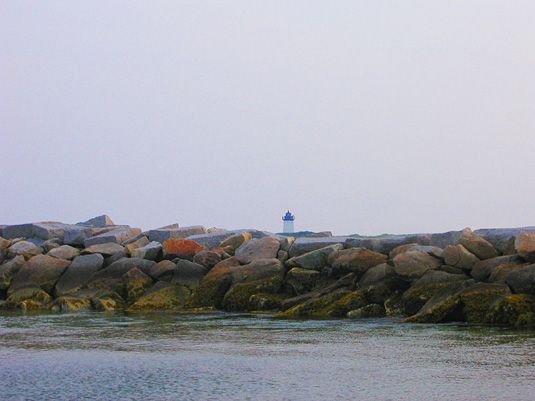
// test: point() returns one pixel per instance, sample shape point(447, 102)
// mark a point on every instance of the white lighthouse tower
point(288, 223)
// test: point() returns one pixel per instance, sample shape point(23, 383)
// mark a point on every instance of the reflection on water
point(171, 356)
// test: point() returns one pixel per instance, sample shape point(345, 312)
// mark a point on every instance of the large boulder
point(412, 265)
point(107, 249)
point(162, 296)
point(379, 283)
point(78, 301)
point(184, 232)
point(41, 270)
point(76, 235)
point(315, 260)
point(107, 300)
point(478, 298)
point(501, 238)
point(354, 260)
point(459, 256)
point(235, 240)
point(425, 287)
point(302, 280)
point(117, 236)
point(9, 270)
point(477, 245)
point(483, 269)
point(162, 271)
point(209, 259)
point(263, 248)
point(525, 245)
point(99, 221)
point(28, 297)
point(78, 273)
point(43, 230)
point(64, 252)
point(336, 303)
point(522, 280)
point(444, 306)
point(213, 287)
point(188, 274)
point(138, 243)
point(150, 252)
point(181, 248)
point(400, 249)
point(24, 248)
point(136, 283)
point(513, 310)
point(304, 245)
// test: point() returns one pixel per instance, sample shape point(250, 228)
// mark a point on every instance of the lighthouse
point(288, 223)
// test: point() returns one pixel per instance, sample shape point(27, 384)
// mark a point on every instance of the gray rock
point(386, 244)
point(442, 240)
point(212, 240)
point(78, 273)
point(50, 244)
point(459, 256)
point(434, 251)
point(64, 252)
point(163, 271)
point(22, 230)
point(305, 245)
point(163, 234)
point(9, 269)
point(302, 280)
point(139, 243)
point(522, 280)
point(106, 249)
point(78, 234)
point(207, 259)
point(24, 248)
point(499, 237)
point(99, 221)
point(188, 274)
point(149, 252)
point(315, 260)
point(117, 236)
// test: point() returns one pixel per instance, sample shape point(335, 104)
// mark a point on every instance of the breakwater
point(481, 277)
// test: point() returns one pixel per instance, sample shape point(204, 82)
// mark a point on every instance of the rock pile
point(480, 277)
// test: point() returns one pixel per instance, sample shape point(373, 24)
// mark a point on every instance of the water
point(171, 356)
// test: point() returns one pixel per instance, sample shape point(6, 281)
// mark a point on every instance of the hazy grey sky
point(360, 117)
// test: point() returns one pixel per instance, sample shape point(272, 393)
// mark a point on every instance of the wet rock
point(188, 274)
point(302, 280)
point(64, 252)
point(162, 296)
point(263, 248)
point(150, 252)
point(34, 293)
point(115, 236)
point(237, 297)
point(136, 283)
point(512, 310)
point(107, 300)
point(78, 273)
point(41, 270)
point(412, 265)
point(315, 260)
point(525, 245)
point(181, 248)
point(379, 282)
point(108, 249)
point(477, 245)
point(266, 302)
point(9, 269)
point(522, 280)
point(78, 301)
point(184, 232)
point(483, 269)
point(327, 304)
point(478, 298)
point(354, 260)
point(444, 306)
point(24, 248)
point(213, 287)
point(394, 305)
point(162, 271)
point(459, 256)
point(368, 311)
point(425, 288)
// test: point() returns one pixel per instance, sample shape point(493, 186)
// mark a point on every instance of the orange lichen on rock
point(181, 248)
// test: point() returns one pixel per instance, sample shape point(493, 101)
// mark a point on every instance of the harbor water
point(220, 356)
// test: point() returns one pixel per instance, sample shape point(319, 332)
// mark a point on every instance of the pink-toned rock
point(24, 248)
point(459, 256)
point(261, 248)
point(64, 252)
point(414, 264)
point(477, 245)
point(41, 270)
point(525, 245)
point(181, 248)
point(355, 260)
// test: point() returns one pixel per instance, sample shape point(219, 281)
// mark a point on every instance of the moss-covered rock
point(371, 310)
point(162, 296)
point(319, 306)
point(40, 270)
point(78, 301)
point(302, 280)
point(513, 310)
point(237, 297)
point(478, 298)
point(136, 284)
point(266, 302)
point(340, 308)
point(107, 300)
point(31, 292)
point(394, 305)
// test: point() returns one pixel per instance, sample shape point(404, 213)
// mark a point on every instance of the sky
point(365, 117)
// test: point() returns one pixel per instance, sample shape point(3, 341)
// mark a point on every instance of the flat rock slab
point(115, 236)
point(78, 234)
point(23, 230)
point(107, 249)
point(99, 221)
point(305, 245)
point(184, 232)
